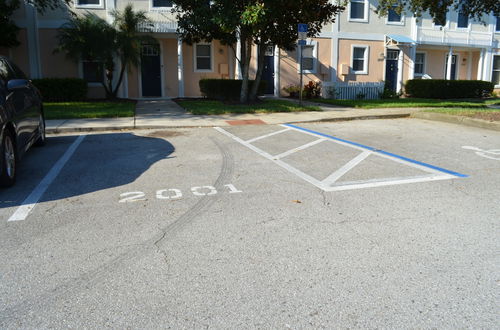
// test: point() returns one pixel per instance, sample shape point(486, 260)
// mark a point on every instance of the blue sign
point(303, 28)
point(302, 42)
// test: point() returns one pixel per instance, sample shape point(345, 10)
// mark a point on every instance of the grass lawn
point(78, 110)
point(486, 114)
point(410, 103)
point(211, 107)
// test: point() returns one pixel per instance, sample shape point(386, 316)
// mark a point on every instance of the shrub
point(448, 89)
point(62, 89)
point(388, 92)
point(226, 89)
point(292, 90)
point(312, 89)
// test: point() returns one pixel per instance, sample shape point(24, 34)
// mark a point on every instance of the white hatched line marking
point(289, 168)
point(346, 168)
point(385, 182)
point(268, 135)
point(326, 184)
point(294, 150)
point(30, 202)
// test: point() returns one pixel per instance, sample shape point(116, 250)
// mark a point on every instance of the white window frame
point(195, 57)
point(469, 23)
point(365, 14)
point(313, 43)
point(424, 66)
point(99, 6)
point(366, 59)
point(152, 8)
point(492, 70)
point(401, 21)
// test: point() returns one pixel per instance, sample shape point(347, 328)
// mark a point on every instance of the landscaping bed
point(89, 109)
point(213, 107)
point(411, 103)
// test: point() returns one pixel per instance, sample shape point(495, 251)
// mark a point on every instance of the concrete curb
point(461, 120)
point(99, 128)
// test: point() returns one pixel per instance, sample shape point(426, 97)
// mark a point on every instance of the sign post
point(302, 34)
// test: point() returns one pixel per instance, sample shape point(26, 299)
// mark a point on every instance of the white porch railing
point(352, 90)
point(159, 27)
point(446, 37)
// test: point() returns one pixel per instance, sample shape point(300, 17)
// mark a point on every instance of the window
point(92, 71)
point(88, 2)
point(309, 57)
point(203, 57)
point(162, 3)
point(497, 28)
point(393, 16)
point(359, 62)
point(357, 10)
point(495, 77)
point(440, 21)
point(420, 64)
point(462, 21)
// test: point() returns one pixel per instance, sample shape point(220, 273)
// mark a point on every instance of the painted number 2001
point(173, 194)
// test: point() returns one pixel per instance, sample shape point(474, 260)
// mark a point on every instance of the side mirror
point(17, 84)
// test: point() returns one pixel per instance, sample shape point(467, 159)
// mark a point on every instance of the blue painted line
point(380, 151)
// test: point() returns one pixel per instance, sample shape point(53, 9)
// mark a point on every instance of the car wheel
point(9, 161)
point(41, 131)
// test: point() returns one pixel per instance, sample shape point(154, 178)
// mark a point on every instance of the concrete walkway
point(168, 114)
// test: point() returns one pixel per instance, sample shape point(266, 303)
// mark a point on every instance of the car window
point(18, 73)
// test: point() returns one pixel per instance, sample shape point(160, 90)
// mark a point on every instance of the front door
point(453, 75)
point(268, 72)
point(391, 69)
point(151, 71)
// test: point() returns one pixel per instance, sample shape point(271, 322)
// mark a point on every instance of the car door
point(16, 105)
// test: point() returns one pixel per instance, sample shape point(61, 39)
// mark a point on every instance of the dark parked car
point(22, 123)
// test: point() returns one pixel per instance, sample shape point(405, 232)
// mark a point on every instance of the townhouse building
point(359, 47)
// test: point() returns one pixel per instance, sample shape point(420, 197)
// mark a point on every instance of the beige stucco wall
point(191, 78)
point(171, 88)
point(133, 83)
point(20, 53)
point(435, 63)
point(54, 65)
point(289, 68)
point(376, 63)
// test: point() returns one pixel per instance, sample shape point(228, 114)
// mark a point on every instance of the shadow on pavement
point(101, 161)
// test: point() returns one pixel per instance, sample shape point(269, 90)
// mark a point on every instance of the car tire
point(41, 133)
point(9, 161)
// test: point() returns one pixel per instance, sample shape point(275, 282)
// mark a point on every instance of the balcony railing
point(159, 27)
point(454, 38)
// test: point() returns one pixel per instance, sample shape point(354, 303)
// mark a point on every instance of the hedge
point(448, 89)
point(226, 89)
point(62, 89)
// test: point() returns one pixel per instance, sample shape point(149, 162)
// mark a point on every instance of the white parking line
point(268, 135)
point(294, 150)
point(346, 168)
point(29, 203)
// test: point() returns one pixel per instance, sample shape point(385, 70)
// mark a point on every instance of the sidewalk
point(168, 114)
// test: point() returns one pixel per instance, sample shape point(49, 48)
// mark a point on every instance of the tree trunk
point(120, 78)
point(258, 76)
point(246, 55)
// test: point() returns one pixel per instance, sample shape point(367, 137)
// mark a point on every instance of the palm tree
point(128, 25)
point(91, 38)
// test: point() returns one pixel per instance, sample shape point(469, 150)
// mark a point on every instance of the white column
point(33, 42)
point(277, 84)
point(448, 67)
point(335, 50)
point(480, 65)
point(411, 62)
point(110, 6)
point(488, 62)
point(399, 85)
point(238, 58)
point(180, 67)
point(469, 65)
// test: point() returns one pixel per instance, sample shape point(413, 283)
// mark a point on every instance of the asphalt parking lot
point(363, 224)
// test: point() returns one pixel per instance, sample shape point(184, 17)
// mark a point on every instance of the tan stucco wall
point(376, 63)
point(171, 88)
point(20, 53)
point(191, 78)
point(133, 83)
point(435, 63)
point(54, 65)
point(289, 69)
